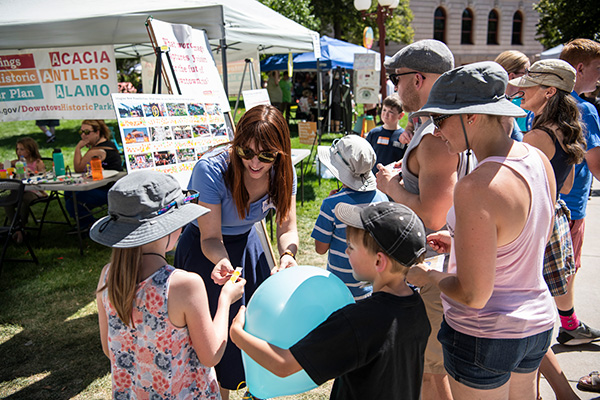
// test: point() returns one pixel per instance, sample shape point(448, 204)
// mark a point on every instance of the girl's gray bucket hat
point(144, 206)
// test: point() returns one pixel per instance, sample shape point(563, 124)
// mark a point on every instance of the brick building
point(476, 30)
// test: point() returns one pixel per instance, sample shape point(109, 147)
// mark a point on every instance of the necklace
point(156, 254)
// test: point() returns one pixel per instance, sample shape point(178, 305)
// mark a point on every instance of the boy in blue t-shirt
point(350, 159)
point(385, 139)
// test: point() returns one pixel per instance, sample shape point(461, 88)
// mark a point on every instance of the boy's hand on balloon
point(233, 290)
point(222, 271)
point(239, 320)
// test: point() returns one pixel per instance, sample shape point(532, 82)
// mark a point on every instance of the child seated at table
point(26, 149)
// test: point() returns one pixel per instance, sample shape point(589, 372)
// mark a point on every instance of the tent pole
point(223, 44)
point(319, 127)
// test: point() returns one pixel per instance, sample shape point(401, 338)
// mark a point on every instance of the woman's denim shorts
point(487, 363)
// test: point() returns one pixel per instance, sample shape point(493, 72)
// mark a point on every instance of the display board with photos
point(168, 133)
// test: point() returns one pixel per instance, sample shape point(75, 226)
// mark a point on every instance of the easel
point(159, 51)
point(253, 84)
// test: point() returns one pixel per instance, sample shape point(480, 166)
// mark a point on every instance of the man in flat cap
point(426, 182)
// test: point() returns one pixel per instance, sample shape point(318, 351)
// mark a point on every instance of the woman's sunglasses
point(263, 156)
point(86, 131)
point(437, 121)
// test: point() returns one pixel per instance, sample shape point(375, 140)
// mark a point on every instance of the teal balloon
point(284, 308)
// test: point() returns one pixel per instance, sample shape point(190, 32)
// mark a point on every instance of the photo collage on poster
point(167, 133)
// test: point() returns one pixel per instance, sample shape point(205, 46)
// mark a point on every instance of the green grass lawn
point(49, 342)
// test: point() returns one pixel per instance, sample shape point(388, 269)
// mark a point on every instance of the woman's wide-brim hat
point(143, 207)
point(476, 88)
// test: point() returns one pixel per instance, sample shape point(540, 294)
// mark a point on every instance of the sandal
point(590, 382)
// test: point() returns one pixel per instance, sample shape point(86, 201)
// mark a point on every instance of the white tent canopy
point(243, 26)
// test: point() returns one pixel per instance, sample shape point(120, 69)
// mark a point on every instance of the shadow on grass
point(70, 353)
point(50, 346)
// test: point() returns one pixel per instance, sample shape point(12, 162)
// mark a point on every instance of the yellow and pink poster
point(55, 83)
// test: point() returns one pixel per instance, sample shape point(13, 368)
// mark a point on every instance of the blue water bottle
point(59, 162)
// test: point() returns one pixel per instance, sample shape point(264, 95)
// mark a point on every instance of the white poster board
point(366, 78)
point(256, 97)
point(69, 83)
point(168, 133)
point(192, 60)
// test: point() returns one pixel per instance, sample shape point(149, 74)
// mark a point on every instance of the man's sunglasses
point(86, 131)
point(263, 156)
point(395, 78)
point(437, 121)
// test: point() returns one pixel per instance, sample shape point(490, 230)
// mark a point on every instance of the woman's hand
point(418, 275)
point(233, 290)
point(286, 261)
point(440, 241)
point(81, 144)
point(222, 271)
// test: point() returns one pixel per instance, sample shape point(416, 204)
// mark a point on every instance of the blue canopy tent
point(334, 53)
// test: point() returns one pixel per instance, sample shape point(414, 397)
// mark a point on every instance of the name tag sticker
point(383, 140)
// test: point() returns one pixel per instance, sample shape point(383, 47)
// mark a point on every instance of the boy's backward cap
point(396, 228)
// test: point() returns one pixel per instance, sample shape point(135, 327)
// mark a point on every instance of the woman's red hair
point(265, 126)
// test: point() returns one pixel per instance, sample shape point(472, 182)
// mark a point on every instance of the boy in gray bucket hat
point(426, 182)
point(497, 233)
point(350, 159)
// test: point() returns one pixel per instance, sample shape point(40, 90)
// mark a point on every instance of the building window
point(439, 25)
point(517, 30)
point(492, 36)
point(466, 31)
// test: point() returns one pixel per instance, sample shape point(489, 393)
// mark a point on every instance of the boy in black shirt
point(373, 348)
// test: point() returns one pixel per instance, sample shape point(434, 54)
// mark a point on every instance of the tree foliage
point(343, 20)
point(564, 20)
point(299, 11)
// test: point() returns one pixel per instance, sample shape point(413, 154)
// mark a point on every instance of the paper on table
point(436, 262)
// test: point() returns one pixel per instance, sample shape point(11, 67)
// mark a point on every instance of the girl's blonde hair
point(121, 281)
point(31, 146)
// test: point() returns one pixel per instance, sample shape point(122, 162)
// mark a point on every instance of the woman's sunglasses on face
point(86, 131)
point(437, 120)
point(263, 156)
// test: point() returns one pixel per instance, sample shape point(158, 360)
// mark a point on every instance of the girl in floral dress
point(155, 324)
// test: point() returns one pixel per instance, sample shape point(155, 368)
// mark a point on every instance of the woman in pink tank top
point(498, 312)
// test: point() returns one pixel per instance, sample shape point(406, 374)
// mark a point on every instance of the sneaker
point(581, 335)
point(51, 139)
